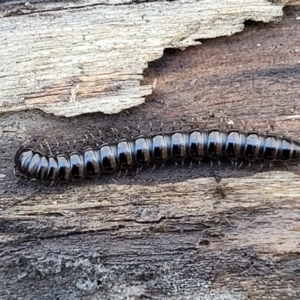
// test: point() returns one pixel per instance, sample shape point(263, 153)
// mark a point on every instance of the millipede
point(142, 150)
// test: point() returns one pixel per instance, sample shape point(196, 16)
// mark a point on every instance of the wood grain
point(89, 57)
point(171, 233)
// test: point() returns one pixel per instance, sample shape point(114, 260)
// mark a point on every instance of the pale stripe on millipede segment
point(158, 148)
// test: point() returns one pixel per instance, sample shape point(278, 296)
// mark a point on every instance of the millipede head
point(21, 160)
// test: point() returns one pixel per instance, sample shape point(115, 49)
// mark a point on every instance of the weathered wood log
point(176, 232)
point(89, 57)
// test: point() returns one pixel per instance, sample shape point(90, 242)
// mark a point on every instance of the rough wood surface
point(176, 232)
point(74, 58)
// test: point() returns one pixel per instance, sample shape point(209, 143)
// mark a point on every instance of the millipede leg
point(161, 126)
point(94, 140)
point(116, 133)
point(174, 123)
point(243, 125)
point(100, 134)
point(181, 125)
point(254, 126)
point(270, 127)
point(129, 132)
point(234, 163)
point(221, 122)
point(48, 146)
point(125, 173)
point(138, 169)
point(87, 139)
point(57, 145)
point(229, 124)
point(192, 126)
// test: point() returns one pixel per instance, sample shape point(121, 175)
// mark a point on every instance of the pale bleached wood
point(91, 59)
point(162, 231)
point(197, 199)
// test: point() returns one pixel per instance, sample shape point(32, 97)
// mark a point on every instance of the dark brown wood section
point(208, 232)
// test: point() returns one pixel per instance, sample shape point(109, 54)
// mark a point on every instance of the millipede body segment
point(178, 146)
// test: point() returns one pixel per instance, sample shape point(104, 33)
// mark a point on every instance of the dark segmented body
point(159, 148)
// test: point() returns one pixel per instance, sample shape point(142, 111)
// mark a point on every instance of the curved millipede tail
point(158, 148)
